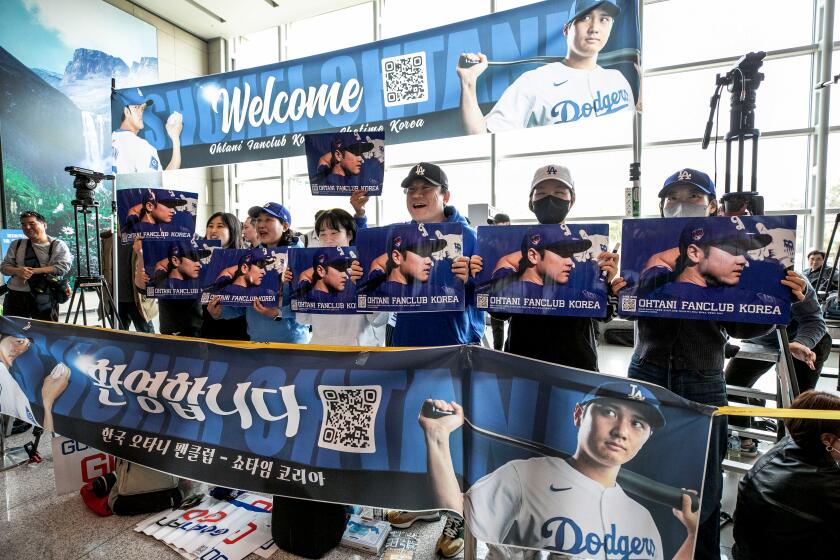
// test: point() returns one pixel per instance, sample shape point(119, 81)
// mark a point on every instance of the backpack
point(140, 489)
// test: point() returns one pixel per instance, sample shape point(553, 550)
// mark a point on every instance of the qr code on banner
point(349, 417)
point(404, 79)
point(628, 304)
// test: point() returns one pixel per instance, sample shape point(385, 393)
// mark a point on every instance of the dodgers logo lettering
point(568, 110)
point(569, 538)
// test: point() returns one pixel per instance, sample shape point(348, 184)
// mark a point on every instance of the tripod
point(92, 279)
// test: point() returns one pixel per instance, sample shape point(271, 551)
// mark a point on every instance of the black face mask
point(551, 210)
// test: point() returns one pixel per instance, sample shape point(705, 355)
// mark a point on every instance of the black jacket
point(788, 506)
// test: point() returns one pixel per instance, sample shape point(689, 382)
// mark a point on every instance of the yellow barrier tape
point(779, 412)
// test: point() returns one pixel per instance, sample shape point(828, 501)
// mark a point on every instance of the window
point(330, 32)
point(681, 31)
point(258, 49)
point(401, 17)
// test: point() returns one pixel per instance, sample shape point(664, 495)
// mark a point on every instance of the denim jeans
point(706, 387)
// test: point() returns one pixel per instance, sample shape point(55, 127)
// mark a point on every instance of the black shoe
point(19, 427)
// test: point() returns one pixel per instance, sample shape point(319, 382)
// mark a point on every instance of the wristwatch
point(279, 315)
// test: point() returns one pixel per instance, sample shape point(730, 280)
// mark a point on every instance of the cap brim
point(360, 148)
point(425, 248)
point(173, 202)
point(611, 8)
point(341, 265)
point(561, 181)
point(407, 181)
point(741, 245)
point(701, 188)
point(569, 248)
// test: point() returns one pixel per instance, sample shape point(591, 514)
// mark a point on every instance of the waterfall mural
point(57, 59)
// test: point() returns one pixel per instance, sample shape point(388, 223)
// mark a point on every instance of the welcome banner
point(497, 436)
point(409, 87)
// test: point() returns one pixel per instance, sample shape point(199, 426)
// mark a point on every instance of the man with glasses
point(26, 262)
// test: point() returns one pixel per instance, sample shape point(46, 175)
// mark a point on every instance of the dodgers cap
point(169, 198)
point(428, 172)
point(726, 233)
point(629, 391)
point(412, 239)
point(350, 142)
point(690, 177)
point(557, 239)
point(185, 249)
point(257, 256)
point(580, 8)
point(332, 259)
point(273, 209)
point(499, 218)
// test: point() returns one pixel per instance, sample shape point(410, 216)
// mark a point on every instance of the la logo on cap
point(635, 393)
point(697, 234)
point(419, 170)
point(551, 170)
point(684, 175)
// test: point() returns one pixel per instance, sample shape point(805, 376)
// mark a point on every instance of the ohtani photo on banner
point(342, 162)
point(408, 267)
point(323, 280)
point(534, 454)
point(239, 276)
point(569, 63)
point(544, 269)
point(719, 268)
point(156, 214)
point(173, 267)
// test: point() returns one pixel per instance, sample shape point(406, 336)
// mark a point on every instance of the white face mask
point(683, 210)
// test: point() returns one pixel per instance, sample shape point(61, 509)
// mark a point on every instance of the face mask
point(683, 210)
point(551, 210)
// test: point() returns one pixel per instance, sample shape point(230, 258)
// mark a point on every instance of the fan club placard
point(718, 268)
point(237, 277)
point(323, 280)
point(342, 162)
point(154, 213)
point(408, 267)
point(543, 269)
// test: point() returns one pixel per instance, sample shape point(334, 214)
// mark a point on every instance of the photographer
point(35, 265)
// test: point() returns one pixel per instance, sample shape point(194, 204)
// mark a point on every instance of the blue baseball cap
point(331, 258)
point(185, 249)
point(428, 172)
point(729, 234)
point(350, 142)
point(258, 256)
point(10, 328)
point(273, 209)
point(557, 239)
point(169, 198)
point(124, 98)
point(580, 8)
point(629, 391)
point(412, 239)
point(690, 177)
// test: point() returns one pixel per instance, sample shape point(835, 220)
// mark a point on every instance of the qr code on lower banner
point(482, 301)
point(628, 303)
point(404, 79)
point(349, 417)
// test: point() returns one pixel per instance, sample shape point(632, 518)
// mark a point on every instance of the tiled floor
point(35, 524)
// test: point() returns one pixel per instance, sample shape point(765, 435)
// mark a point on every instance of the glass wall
point(680, 65)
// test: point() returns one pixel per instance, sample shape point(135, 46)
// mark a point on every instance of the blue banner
point(322, 280)
point(408, 267)
point(359, 427)
point(720, 268)
point(544, 269)
point(342, 162)
point(409, 87)
point(154, 213)
point(237, 277)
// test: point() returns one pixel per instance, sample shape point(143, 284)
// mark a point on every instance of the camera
point(85, 183)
